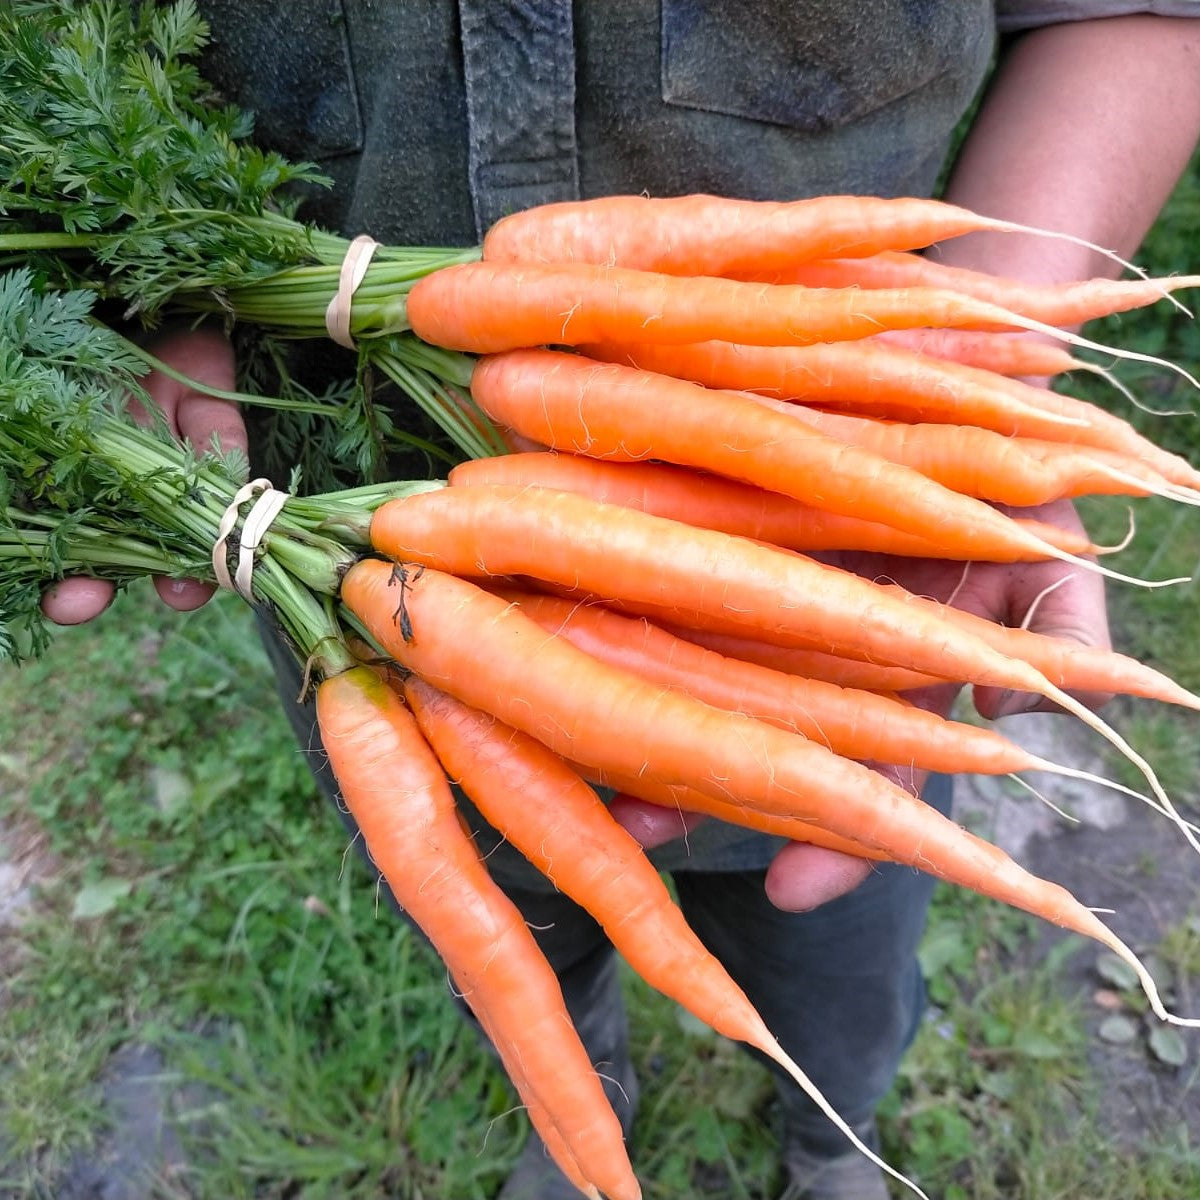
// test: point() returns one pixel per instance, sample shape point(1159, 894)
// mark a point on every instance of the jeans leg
point(840, 987)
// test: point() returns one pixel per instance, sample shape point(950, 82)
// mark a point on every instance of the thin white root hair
point(1118, 576)
point(1075, 339)
point(1106, 731)
point(1124, 543)
point(1131, 396)
point(1149, 987)
point(1027, 620)
point(1167, 490)
point(1111, 255)
point(773, 1050)
point(1090, 777)
point(1054, 808)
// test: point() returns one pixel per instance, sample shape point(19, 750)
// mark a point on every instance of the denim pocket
point(813, 65)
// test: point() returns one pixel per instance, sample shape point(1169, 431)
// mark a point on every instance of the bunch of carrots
point(712, 390)
point(666, 411)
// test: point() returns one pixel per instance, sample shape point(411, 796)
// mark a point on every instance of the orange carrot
point(396, 790)
point(864, 377)
point(486, 307)
point(699, 498)
point(1015, 354)
point(1066, 304)
point(687, 800)
point(611, 411)
point(987, 465)
point(543, 1124)
point(616, 552)
point(807, 663)
point(716, 235)
point(546, 810)
point(487, 653)
point(855, 723)
point(1107, 431)
point(1065, 662)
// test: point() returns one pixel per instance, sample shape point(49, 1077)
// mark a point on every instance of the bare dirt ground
point(1119, 856)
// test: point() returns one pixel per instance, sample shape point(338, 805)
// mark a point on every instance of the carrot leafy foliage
point(85, 488)
point(122, 175)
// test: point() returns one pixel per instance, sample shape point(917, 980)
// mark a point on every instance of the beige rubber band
point(353, 271)
point(267, 507)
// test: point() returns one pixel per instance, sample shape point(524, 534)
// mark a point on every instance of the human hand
point(205, 356)
point(1049, 597)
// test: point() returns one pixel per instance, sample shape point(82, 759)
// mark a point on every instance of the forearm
point(1085, 128)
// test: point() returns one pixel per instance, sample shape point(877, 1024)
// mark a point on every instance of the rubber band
point(267, 505)
point(353, 271)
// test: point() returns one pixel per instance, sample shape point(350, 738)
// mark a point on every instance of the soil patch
point(1123, 857)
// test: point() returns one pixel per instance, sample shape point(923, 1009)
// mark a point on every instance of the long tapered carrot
point(485, 308)
point(488, 654)
point(571, 540)
point(546, 810)
point(854, 723)
point(1015, 354)
point(1072, 303)
point(608, 410)
point(398, 794)
point(700, 498)
point(871, 379)
point(717, 235)
point(986, 465)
